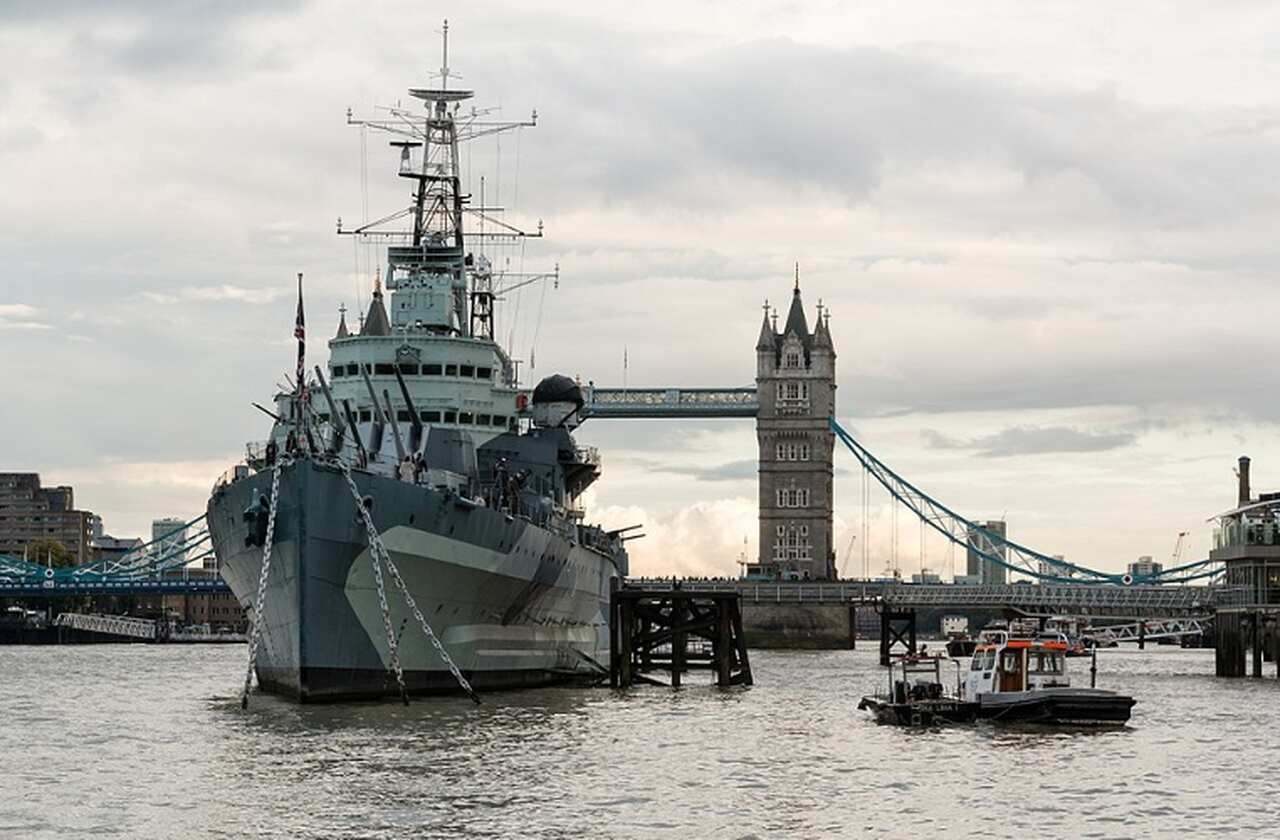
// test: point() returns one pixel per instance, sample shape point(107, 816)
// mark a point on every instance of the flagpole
point(300, 388)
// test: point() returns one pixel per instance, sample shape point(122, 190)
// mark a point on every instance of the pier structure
point(1246, 541)
point(669, 629)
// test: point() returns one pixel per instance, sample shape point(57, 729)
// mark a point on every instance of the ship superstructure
point(415, 454)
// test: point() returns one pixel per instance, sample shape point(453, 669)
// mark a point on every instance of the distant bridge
point(162, 566)
point(1030, 599)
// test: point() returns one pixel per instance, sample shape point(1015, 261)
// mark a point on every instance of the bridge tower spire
point(796, 384)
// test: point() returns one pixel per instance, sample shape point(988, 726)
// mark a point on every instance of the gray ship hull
point(514, 604)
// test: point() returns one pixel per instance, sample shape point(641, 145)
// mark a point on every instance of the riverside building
point(29, 511)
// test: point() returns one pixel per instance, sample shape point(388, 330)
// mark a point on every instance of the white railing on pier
point(1066, 599)
point(1144, 630)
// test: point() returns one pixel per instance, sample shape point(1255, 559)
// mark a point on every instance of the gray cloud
point(732, 471)
point(1028, 440)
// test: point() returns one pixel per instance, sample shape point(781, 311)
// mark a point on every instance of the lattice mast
point(453, 289)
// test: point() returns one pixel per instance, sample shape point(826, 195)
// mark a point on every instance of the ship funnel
point(1242, 473)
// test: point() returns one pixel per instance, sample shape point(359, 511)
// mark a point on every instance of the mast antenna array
point(426, 240)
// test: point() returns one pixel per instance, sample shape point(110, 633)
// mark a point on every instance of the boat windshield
point(1044, 662)
point(983, 660)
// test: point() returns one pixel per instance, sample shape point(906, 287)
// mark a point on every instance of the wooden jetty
point(675, 630)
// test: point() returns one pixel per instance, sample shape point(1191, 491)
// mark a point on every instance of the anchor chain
point(393, 645)
point(256, 632)
point(379, 552)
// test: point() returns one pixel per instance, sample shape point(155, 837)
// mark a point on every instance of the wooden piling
point(1229, 647)
point(1256, 642)
point(853, 626)
point(676, 631)
point(897, 627)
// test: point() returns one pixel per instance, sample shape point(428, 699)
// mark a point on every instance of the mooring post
point(853, 626)
point(1229, 650)
point(724, 643)
point(615, 630)
point(678, 640)
point(1093, 668)
point(1257, 644)
point(740, 641)
point(626, 609)
point(1275, 645)
point(885, 627)
point(1142, 635)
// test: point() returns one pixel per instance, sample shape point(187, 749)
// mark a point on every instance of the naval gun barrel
point(379, 422)
point(355, 434)
point(339, 427)
point(415, 428)
point(395, 426)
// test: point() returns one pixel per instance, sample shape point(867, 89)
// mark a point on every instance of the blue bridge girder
point(670, 402)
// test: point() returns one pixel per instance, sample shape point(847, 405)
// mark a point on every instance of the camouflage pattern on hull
point(514, 604)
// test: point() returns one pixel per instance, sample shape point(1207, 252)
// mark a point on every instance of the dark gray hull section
point(514, 604)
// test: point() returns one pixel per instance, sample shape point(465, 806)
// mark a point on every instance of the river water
point(150, 741)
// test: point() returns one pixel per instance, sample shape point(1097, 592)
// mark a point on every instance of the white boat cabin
point(1012, 664)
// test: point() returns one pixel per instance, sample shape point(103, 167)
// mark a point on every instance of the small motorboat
point(1025, 679)
point(917, 696)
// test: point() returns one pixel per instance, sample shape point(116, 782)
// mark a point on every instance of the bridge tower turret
point(796, 383)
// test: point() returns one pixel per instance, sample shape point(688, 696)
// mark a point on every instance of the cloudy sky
point(1045, 233)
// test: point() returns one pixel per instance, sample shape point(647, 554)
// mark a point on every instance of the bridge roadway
point(670, 402)
point(1031, 599)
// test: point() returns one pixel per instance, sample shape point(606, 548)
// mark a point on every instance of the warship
point(413, 522)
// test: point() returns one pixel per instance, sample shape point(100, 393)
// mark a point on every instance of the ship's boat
point(415, 509)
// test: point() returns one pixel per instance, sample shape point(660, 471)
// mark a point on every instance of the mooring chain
point(255, 632)
point(379, 552)
point(392, 644)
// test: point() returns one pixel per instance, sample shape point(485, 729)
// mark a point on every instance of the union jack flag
point(300, 333)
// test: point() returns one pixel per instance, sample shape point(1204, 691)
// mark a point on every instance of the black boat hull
point(1070, 706)
point(920, 713)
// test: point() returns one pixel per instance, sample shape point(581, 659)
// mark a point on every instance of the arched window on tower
point(791, 359)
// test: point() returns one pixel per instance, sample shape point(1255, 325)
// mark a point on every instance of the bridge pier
point(1229, 648)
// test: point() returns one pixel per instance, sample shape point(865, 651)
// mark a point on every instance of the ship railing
point(589, 455)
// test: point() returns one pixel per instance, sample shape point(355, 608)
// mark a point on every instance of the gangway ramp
point(111, 625)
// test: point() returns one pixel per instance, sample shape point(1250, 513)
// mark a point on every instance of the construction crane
point(844, 564)
point(1177, 548)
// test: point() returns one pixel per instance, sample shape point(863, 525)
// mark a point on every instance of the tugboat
point(415, 513)
point(1025, 679)
point(917, 696)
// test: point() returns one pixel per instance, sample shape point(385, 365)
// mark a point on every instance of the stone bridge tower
point(796, 383)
